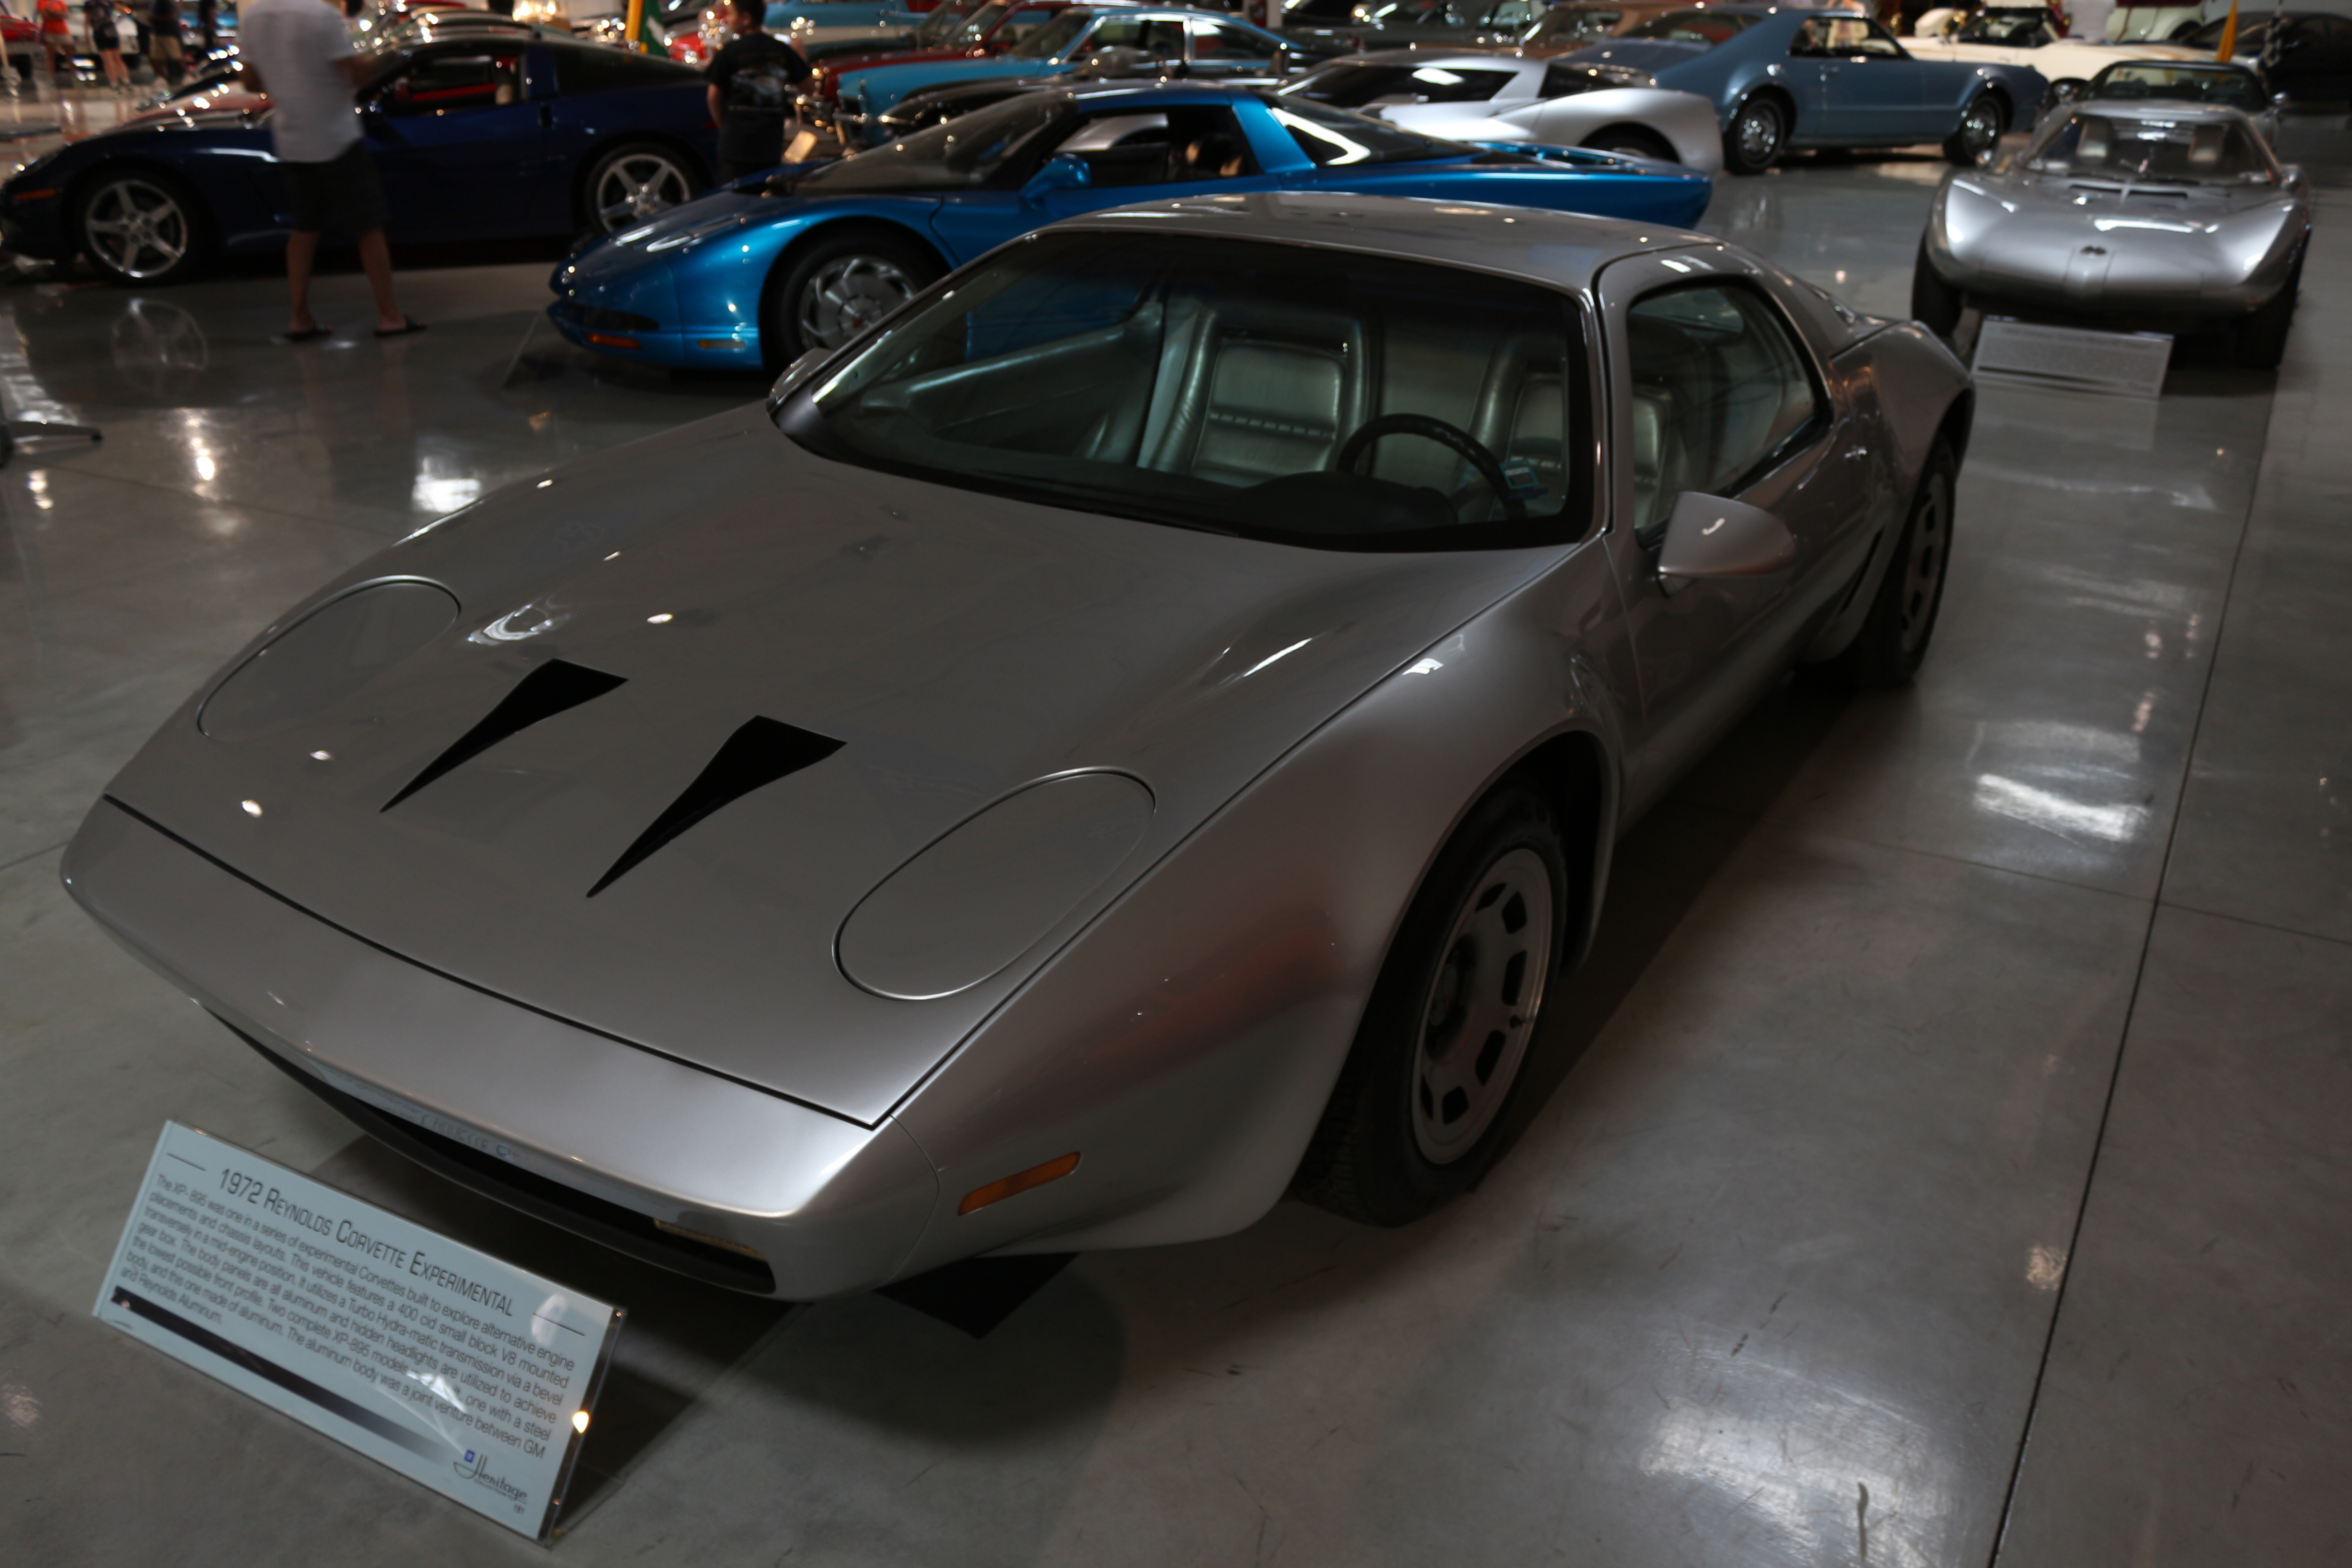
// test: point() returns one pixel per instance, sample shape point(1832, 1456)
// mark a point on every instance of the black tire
point(1453, 1011)
point(2261, 338)
point(866, 273)
point(1632, 139)
point(635, 181)
point(1756, 136)
point(1935, 304)
point(1978, 136)
point(1886, 652)
point(141, 227)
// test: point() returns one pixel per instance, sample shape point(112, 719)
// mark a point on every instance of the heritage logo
point(474, 1467)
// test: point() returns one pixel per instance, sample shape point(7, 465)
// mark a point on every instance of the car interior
point(1719, 389)
point(1231, 385)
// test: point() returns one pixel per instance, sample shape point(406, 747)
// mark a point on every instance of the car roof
point(1563, 250)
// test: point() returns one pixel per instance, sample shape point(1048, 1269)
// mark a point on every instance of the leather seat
point(1254, 391)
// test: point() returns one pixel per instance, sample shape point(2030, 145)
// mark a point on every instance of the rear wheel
point(1887, 651)
point(2262, 336)
point(1758, 134)
point(839, 287)
point(636, 181)
point(1935, 304)
point(1978, 136)
point(1417, 1114)
point(140, 227)
point(1632, 139)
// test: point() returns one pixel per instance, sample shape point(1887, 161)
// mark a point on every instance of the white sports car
point(1474, 97)
point(2026, 36)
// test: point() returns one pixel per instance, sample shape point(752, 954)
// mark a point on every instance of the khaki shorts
point(162, 46)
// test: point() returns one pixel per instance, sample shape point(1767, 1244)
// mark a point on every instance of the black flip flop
point(304, 335)
point(408, 324)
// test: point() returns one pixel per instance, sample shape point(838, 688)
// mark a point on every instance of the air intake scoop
point(989, 890)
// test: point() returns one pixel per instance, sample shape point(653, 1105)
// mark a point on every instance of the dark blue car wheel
point(1978, 136)
point(139, 225)
point(1757, 131)
point(633, 183)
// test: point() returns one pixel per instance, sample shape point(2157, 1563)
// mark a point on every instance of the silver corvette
point(2150, 213)
point(1134, 733)
point(1501, 97)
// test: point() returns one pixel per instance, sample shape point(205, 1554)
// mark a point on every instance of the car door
point(1869, 88)
point(1715, 391)
point(461, 145)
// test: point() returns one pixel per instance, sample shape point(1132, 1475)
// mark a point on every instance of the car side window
point(1515, 14)
point(438, 83)
point(1844, 37)
point(1221, 43)
point(1159, 37)
point(1185, 145)
point(1721, 391)
point(1021, 24)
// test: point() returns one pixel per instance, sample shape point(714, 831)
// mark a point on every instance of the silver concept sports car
point(1502, 98)
point(1135, 732)
point(2161, 215)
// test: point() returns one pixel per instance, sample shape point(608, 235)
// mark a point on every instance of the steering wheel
point(1465, 446)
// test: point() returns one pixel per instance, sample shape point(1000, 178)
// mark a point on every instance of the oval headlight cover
point(326, 656)
point(982, 895)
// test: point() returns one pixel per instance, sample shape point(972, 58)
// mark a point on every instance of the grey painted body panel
point(2099, 244)
point(1309, 724)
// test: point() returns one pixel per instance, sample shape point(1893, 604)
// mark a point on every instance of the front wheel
point(1887, 651)
point(837, 288)
point(140, 227)
point(1753, 140)
point(2261, 340)
point(1974, 140)
point(633, 183)
point(1417, 1114)
point(1935, 304)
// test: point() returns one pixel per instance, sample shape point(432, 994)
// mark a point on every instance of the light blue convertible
point(772, 267)
point(1783, 79)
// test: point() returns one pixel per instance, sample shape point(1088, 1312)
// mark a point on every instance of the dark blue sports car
point(769, 268)
point(1782, 78)
point(476, 138)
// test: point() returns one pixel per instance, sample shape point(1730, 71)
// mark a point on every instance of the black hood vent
point(754, 757)
point(546, 692)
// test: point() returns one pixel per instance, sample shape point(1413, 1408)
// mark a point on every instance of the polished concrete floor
point(1942, 1160)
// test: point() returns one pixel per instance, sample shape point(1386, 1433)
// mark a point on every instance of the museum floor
point(1941, 1160)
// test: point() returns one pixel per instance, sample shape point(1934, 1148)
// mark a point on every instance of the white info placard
point(470, 1375)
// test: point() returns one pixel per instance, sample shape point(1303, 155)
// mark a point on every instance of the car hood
point(956, 646)
point(1656, 56)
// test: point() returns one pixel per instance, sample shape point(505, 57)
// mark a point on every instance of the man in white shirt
point(298, 53)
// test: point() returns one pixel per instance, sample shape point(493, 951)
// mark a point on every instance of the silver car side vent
point(546, 692)
point(755, 756)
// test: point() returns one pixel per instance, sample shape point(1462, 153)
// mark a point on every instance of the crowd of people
point(164, 33)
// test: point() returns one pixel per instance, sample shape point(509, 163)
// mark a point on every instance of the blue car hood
point(885, 85)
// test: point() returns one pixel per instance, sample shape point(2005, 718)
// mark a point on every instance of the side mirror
point(1062, 171)
point(1708, 536)
point(2280, 100)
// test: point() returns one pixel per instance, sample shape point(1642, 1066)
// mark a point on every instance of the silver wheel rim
point(637, 187)
point(1923, 566)
point(136, 229)
point(1980, 132)
point(1759, 132)
point(848, 295)
point(1482, 1004)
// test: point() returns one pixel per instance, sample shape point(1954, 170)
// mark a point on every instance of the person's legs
point(375, 260)
point(301, 252)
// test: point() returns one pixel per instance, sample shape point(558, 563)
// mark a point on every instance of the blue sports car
point(1782, 80)
point(771, 268)
point(1197, 45)
point(477, 137)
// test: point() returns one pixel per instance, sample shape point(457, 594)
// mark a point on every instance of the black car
point(1419, 24)
point(2306, 54)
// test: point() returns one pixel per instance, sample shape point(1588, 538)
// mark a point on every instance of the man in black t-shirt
point(752, 82)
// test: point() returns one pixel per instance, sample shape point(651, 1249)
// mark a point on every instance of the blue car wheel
point(140, 226)
point(839, 286)
point(1978, 136)
point(1757, 131)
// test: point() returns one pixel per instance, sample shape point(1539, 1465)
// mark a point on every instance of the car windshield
point(2181, 83)
point(1573, 23)
point(964, 153)
point(2148, 150)
point(1281, 392)
point(950, 22)
point(1051, 41)
point(1416, 13)
point(1709, 27)
point(1351, 85)
point(2018, 29)
point(1331, 137)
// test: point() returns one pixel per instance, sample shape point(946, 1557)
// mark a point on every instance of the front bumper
point(693, 1171)
point(715, 348)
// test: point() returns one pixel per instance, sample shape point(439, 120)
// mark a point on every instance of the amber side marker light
point(1019, 1182)
point(612, 341)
